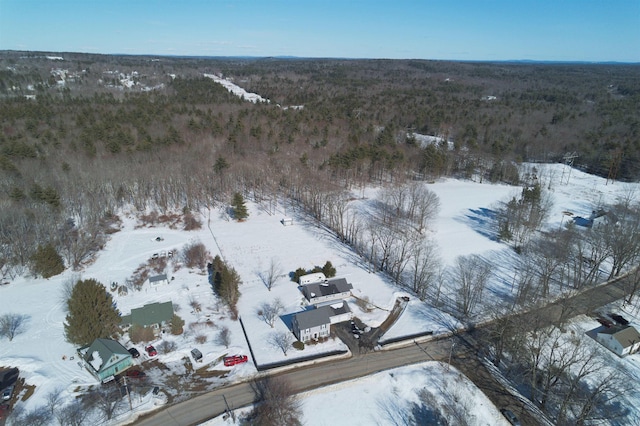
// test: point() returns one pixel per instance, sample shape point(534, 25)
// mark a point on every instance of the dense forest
point(84, 135)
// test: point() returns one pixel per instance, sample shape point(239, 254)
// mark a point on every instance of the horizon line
point(293, 57)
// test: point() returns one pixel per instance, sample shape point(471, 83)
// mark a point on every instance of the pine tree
point(92, 313)
point(328, 270)
point(225, 282)
point(47, 262)
point(239, 208)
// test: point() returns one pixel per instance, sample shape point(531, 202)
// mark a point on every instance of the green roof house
point(105, 358)
point(154, 315)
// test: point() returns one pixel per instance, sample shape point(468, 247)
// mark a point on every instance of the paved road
point(206, 406)
point(201, 408)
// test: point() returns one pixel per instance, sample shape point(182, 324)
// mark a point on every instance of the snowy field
point(49, 363)
point(391, 398)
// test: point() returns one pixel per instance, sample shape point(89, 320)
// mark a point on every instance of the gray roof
point(339, 310)
point(106, 348)
point(312, 318)
point(626, 335)
point(152, 313)
point(155, 278)
point(329, 287)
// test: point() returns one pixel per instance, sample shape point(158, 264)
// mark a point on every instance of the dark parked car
point(134, 352)
point(196, 354)
point(508, 414)
point(6, 394)
point(619, 319)
point(151, 351)
point(605, 322)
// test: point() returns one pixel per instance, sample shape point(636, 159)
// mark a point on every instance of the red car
point(151, 351)
point(230, 361)
point(135, 374)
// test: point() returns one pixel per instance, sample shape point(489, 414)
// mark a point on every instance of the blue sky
point(556, 30)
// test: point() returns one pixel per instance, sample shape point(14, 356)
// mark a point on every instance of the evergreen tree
point(225, 282)
point(328, 270)
point(92, 313)
point(239, 208)
point(46, 261)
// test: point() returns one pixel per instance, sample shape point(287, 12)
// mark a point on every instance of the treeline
point(72, 157)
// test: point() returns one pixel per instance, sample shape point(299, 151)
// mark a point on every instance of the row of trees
point(563, 373)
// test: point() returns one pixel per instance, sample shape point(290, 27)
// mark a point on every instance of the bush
point(191, 223)
point(195, 255)
point(177, 325)
point(201, 338)
point(167, 346)
point(297, 274)
point(46, 261)
point(328, 270)
point(138, 334)
point(298, 345)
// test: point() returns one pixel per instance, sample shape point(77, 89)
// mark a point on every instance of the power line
point(568, 162)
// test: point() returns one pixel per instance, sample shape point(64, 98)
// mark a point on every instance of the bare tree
point(622, 233)
point(271, 275)
point(547, 255)
point(53, 399)
point(73, 414)
point(276, 403)
point(106, 399)
point(281, 340)
point(424, 268)
point(631, 283)
point(224, 337)
point(13, 324)
point(471, 274)
point(270, 312)
point(423, 205)
point(39, 416)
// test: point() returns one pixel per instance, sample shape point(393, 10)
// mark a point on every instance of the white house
point(622, 340)
point(159, 279)
point(327, 291)
point(311, 325)
point(316, 323)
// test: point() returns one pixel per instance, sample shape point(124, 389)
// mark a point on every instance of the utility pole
point(453, 345)
point(124, 380)
point(229, 412)
point(568, 162)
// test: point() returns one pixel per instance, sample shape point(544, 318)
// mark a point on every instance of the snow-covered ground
point(48, 362)
point(392, 398)
point(237, 90)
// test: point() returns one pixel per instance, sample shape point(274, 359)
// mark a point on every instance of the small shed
point(159, 279)
point(287, 221)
